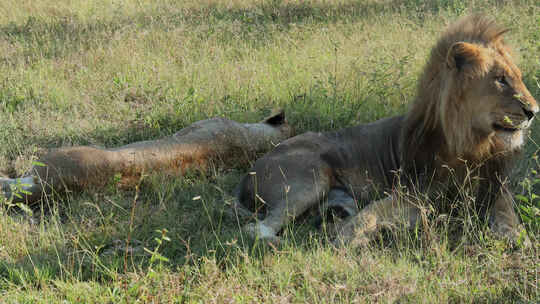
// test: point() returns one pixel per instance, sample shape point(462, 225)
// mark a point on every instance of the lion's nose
point(529, 113)
point(529, 106)
point(535, 107)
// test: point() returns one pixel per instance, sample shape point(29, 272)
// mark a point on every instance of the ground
point(112, 72)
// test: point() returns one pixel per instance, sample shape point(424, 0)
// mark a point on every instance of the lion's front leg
point(388, 212)
point(504, 221)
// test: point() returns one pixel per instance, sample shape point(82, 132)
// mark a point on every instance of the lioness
point(470, 116)
point(194, 147)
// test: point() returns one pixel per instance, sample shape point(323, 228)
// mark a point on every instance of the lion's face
point(504, 108)
point(494, 101)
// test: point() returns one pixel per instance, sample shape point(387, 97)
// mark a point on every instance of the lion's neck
point(426, 154)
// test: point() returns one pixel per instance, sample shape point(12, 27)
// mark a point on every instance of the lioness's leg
point(387, 212)
point(23, 189)
point(81, 167)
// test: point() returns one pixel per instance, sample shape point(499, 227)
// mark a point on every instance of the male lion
point(195, 147)
point(469, 118)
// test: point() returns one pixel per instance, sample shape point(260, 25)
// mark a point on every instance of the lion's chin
point(512, 139)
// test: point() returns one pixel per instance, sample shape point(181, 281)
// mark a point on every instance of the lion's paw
point(261, 231)
point(355, 241)
point(350, 236)
point(516, 236)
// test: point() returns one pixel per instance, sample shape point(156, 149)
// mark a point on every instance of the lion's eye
point(501, 80)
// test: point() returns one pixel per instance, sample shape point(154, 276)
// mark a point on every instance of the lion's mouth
point(512, 123)
point(505, 128)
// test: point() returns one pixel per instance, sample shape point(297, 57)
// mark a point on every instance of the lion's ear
point(462, 54)
point(276, 118)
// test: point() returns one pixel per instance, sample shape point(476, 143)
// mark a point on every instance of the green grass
point(112, 72)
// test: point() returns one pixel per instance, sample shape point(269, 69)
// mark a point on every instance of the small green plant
point(155, 256)
point(114, 183)
point(530, 200)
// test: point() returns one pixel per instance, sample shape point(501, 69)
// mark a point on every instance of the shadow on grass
point(96, 227)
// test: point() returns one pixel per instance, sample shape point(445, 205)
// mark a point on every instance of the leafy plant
point(155, 256)
point(530, 200)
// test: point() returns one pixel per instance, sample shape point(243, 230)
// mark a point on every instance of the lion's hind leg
point(284, 212)
point(340, 203)
point(388, 212)
point(287, 199)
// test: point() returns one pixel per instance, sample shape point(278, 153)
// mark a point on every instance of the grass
point(112, 72)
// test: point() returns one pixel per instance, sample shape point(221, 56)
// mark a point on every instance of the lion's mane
point(435, 124)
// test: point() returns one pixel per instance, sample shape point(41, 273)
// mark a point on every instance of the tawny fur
point(216, 142)
point(469, 117)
